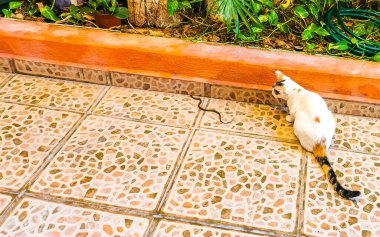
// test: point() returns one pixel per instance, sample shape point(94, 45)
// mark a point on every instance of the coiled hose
point(364, 47)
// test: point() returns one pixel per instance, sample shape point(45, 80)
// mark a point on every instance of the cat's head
point(284, 86)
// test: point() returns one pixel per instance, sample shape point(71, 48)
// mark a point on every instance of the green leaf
point(263, 18)
point(341, 45)
point(121, 13)
point(359, 29)
point(307, 34)
point(86, 10)
point(314, 10)
point(301, 12)
point(256, 30)
point(184, 4)
point(273, 18)
point(355, 41)
point(14, 5)
point(172, 7)
point(48, 13)
point(267, 3)
point(376, 58)
point(7, 13)
point(283, 27)
point(256, 7)
point(309, 46)
point(321, 31)
point(95, 3)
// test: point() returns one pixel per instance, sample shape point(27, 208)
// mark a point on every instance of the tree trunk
point(150, 13)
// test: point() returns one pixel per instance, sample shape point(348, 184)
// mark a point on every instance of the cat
point(314, 125)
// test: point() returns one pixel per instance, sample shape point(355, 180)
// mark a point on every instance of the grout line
point(88, 204)
point(175, 171)
point(7, 79)
point(13, 64)
point(139, 121)
point(152, 227)
point(250, 135)
point(302, 194)
point(9, 209)
point(252, 230)
point(55, 78)
point(108, 78)
point(42, 107)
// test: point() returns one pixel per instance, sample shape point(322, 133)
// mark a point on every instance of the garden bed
point(208, 63)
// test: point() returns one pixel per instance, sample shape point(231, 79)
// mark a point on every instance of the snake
point(209, 110)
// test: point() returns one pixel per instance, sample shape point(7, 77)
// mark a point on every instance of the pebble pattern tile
point(4, 201)
point(157, 84)
point(238, 180)
point(326, 214)
point(249, 118)
point(354, 108)
point(114, 161)
point(40, 218)
point(357, 133)
point(5, 65)
point(244, 95)
point(177, 229)
point(73, 96)
point(60, 71)
point(3, 76)
point(165, 108)
point(27, 136)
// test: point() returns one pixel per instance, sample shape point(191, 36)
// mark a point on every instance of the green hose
point(365, 47)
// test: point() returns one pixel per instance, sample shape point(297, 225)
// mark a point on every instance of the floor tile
point(179, 229)
point(353, 108)
point(244, 95)
point(27, 135)
point(165, 108)
point(51, 93)
point(249, 118)
point(157, 84)
point(40, 218)
point(46, 69)
point(239, 180)
point(115, 162)
point(5, 66)
point(357, 133)
point(4, 201)
point(3, 76)
point(326, 214)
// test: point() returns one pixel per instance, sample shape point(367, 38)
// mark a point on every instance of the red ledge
point(334, 78)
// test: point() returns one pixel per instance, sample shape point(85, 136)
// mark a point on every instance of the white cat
point(314, 125)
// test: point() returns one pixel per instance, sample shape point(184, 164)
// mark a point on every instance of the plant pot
point(106, 21)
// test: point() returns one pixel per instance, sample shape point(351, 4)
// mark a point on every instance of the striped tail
point(319, 152)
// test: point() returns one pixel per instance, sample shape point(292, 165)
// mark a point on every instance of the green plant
point(31, 8)
point(12, 6)
point(78, 15)
point(109, 7)
point(175, 5)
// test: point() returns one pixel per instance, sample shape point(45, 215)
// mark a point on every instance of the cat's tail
point(320, 154)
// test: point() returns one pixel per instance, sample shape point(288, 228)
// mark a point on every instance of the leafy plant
point(12, 6)
point(110, 7)
point(78, 15)
point(175, 5)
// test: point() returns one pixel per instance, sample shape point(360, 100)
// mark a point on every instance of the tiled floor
point(79, 159)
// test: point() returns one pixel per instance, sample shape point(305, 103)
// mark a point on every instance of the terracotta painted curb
point(172, 58)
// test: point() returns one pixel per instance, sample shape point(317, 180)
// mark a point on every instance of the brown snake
point(209, 110)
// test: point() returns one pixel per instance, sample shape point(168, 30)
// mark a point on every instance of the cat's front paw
point(289, 118)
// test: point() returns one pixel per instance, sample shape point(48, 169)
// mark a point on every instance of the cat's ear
point(280, 76)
